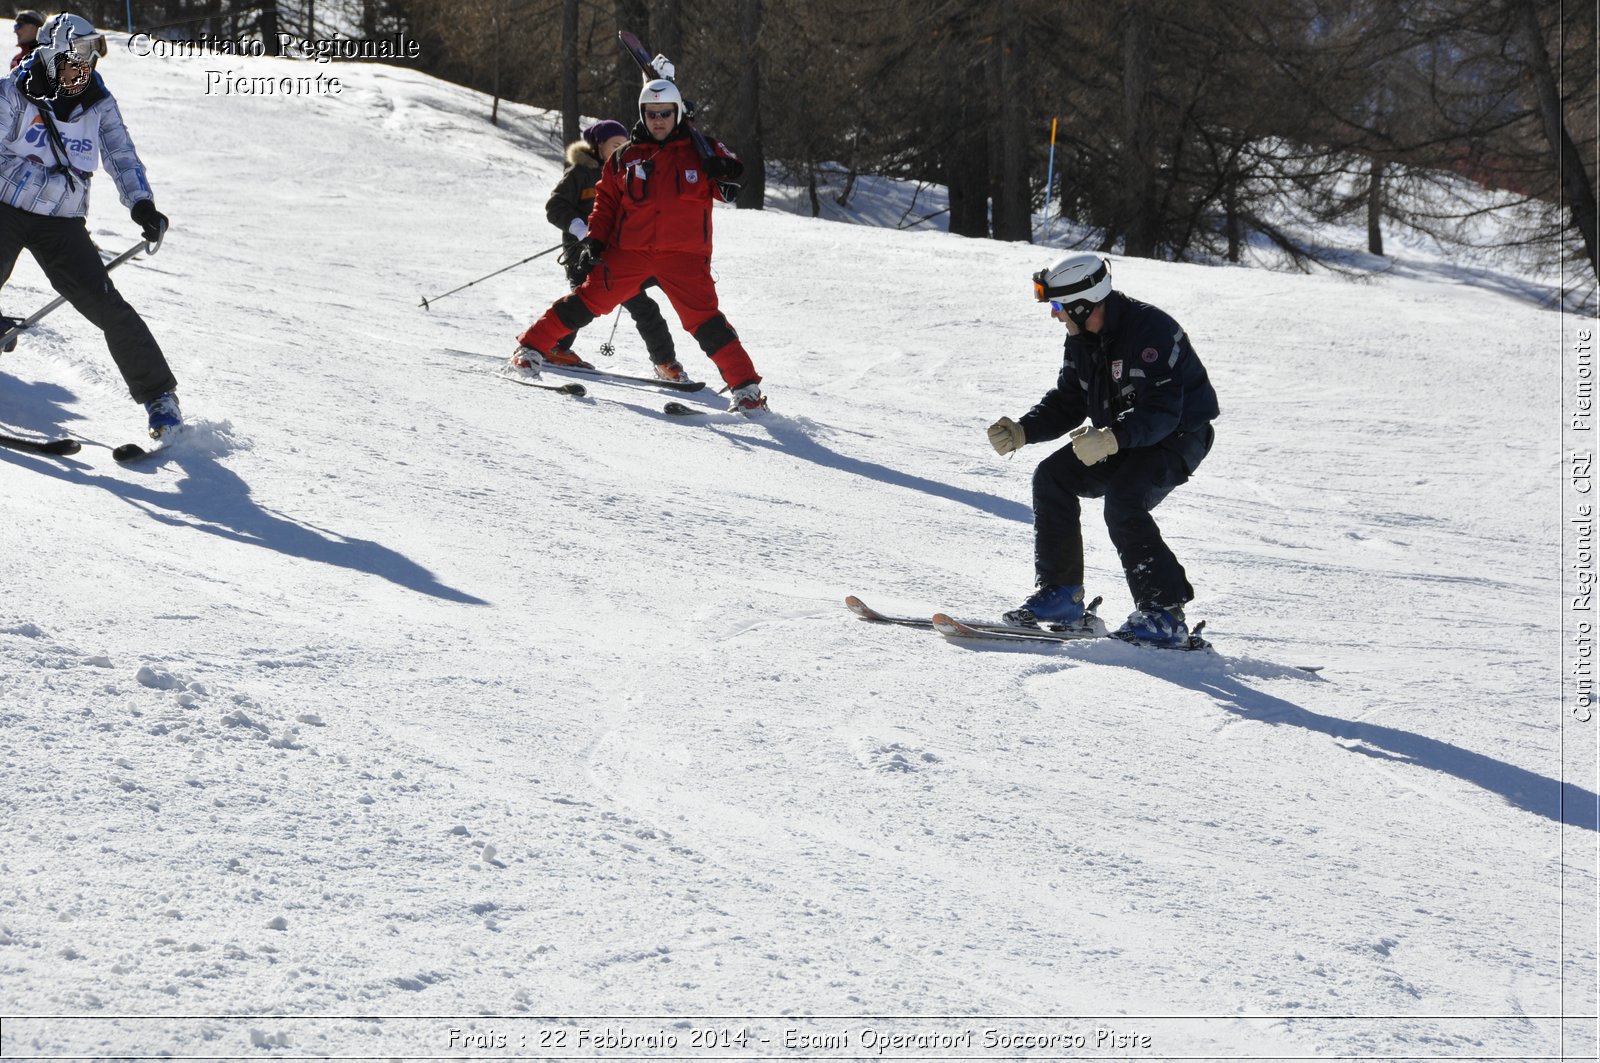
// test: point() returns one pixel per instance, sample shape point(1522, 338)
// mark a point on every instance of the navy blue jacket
point(1138, 375)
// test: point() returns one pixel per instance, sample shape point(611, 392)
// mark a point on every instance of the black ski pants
point(1132, 482)
point(71, 264)
point(647, 318)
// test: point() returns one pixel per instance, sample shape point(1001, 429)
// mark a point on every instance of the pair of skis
point(66, 445)
point(576, 390)
point(1090, 627)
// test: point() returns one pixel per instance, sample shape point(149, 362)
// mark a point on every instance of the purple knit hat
point(601, 132)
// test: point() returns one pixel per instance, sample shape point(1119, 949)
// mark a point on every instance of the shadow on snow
point(1219, 678)
point(213, 499)
point(788, 436)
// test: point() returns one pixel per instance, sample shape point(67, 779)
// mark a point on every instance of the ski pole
point(608, 348)
point(486, 276)
point(8, 342)
point(1050, 178)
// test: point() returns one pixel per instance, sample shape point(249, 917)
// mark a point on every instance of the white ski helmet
point(68, 36)
point(1078, 283)
point(661, 91)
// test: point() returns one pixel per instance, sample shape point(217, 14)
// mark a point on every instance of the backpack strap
point(58, 147)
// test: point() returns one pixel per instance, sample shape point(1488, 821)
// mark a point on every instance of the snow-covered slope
point(400, 691)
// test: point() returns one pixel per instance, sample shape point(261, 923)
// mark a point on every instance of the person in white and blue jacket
point(1131, 372)
point(58, 124)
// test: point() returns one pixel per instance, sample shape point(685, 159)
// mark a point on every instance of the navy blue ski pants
point(1132, 482)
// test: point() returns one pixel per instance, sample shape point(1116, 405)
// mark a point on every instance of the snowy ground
point(401, 701)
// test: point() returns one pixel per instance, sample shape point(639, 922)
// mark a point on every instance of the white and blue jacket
point(34, 177)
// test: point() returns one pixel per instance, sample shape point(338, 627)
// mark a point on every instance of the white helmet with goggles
point(1076, 285)
point(659, 93)
point(68, 38)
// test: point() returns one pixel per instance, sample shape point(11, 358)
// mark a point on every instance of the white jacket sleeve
point(120, 158)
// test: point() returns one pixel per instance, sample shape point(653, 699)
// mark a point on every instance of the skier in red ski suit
point(652, 220)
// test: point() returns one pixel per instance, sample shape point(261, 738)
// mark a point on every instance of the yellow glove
point(1093, 445)
point(1006, 435)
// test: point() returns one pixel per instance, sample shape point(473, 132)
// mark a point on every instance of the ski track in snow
point(393, 691)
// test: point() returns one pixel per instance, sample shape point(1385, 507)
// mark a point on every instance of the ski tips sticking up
point(574, 389)
point(67, 445)
point(57, 448)
point(132, 452)
point(1090, 627)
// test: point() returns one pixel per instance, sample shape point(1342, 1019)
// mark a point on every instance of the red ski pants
point(683, 277)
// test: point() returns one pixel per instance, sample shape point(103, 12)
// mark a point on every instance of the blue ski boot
point(1050, 604)
point(164, 414)
point(1155, 627)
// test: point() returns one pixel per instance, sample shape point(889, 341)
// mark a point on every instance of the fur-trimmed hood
point(579, 153)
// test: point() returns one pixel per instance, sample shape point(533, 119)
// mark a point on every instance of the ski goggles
point(670, 112)
point(84, 50)
point(1043, 291)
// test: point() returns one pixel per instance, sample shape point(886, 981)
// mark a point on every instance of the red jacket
point(656, 197)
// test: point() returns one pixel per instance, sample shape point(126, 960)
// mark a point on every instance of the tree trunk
point(494, 42)
point(1575, 186)
point(1231, 222)
point(966, 147)
point(269, 27)
point(569, 71)
point(1013, 205)
point(753, 191)
point(666, 29)
point(1139, 165)
point(1375, 209)
point(631, 15)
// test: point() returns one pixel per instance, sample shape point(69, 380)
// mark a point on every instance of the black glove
point(581, 258)
point(724, 168)
point(6, 325)
point(151, 220)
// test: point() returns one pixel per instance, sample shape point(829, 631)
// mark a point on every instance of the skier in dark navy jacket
point(1130, 370)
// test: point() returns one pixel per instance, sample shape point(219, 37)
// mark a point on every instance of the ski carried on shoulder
point(950, 627)
point(58, 448)
point(647, 66)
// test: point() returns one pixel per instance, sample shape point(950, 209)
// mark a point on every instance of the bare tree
point(569, 71)
point(1575, 181)
point(666, 28)
point(1013, 199)
point(753, 190)
point(634, 16)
